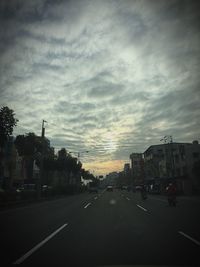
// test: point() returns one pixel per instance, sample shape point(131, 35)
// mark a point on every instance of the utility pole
point(39, 185)
point(169, 141)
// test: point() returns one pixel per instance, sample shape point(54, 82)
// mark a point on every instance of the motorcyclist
point(171, 194)
point(143, 192)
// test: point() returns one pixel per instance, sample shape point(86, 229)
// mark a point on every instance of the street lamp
point(78, 153)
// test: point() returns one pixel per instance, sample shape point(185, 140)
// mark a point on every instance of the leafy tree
point(29, 144)
point(87, 175)
point(62, 153)
point(66, 162)
point(7, 123)
point(31, 147)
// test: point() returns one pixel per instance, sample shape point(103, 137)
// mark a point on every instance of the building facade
point(137, 168)
point(176, 161)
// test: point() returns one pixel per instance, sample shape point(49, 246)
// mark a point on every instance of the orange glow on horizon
point(104, 167)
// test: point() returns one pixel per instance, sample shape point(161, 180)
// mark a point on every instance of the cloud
point(111, 77)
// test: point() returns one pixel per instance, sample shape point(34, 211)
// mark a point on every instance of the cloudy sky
point(111, 77)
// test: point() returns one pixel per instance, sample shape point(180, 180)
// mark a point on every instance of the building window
point(135, 162)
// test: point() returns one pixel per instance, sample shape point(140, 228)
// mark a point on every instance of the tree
point(31, 147)
point(62, 153)
point(87, 175)
point(7, 123)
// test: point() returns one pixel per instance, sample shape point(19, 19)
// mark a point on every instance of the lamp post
point(79, 153)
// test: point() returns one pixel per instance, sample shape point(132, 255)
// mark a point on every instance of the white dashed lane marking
point(141, 207)
point(30, 252)
point(190, 238)
point(87, 205)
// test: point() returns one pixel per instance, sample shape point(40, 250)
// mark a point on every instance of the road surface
point(108, 228)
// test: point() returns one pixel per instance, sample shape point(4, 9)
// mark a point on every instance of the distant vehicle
point(28, 191)
point(46, 188)
point(93, 187)
point(137, 187)
point(124, 187)
point(28, 187)
point(109, 188)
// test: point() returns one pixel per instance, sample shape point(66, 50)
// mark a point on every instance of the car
point(138, 187)
point(109, 188)
point(124, 187)
point(28, 191)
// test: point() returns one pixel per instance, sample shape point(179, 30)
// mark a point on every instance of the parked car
point(46, 190)
point(28, 191)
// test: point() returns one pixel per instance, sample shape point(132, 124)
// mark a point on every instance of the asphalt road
point(109, 228)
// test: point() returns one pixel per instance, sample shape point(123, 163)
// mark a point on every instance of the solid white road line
point(87, 205)
point(141, 207)
point(189, 237)
point(128, 198)
point(25, 256)
point(95, 197)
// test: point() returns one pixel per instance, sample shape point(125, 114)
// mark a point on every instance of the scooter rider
point(171, 194)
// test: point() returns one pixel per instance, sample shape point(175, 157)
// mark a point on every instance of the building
point(111, 178)
point(176, 161)
point(126, 168)
point(137, 168)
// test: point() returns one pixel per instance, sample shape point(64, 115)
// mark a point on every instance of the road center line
point(189, 237)
point(141, 207)
point(26, 255)
point(87, 205)
point(128, 198)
